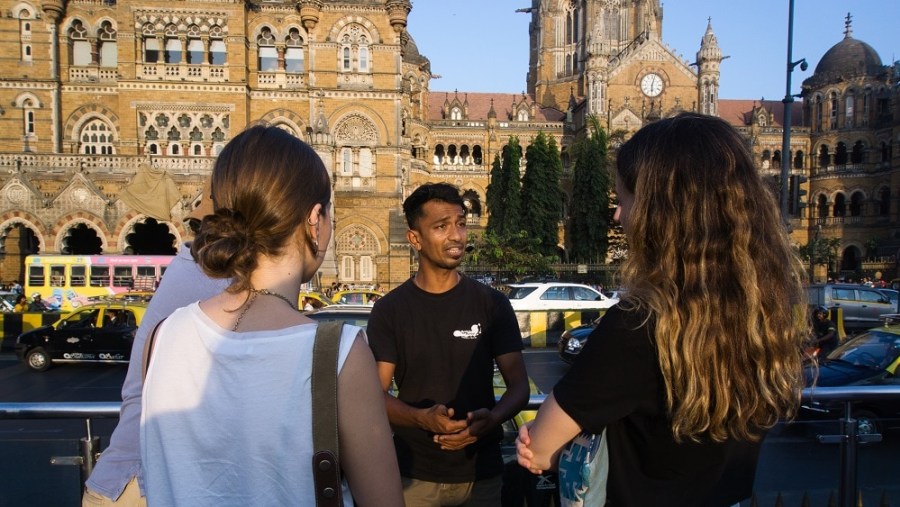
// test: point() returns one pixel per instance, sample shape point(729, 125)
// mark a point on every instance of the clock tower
point(609, 57)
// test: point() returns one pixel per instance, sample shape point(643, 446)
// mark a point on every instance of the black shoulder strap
point(326, 463)
point(148, 349)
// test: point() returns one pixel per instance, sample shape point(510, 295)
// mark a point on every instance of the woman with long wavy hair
point(701, 357)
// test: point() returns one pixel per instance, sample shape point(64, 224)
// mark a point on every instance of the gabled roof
point(480, 104)
point(738, 112)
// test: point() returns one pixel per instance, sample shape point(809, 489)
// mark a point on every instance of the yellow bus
point(66, 282)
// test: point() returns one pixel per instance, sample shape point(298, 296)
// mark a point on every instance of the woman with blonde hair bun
point(702, 355)
point(226, 416)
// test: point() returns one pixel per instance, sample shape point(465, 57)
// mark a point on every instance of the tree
point(514, 253)
point(541, 195)
point(589, 211)
point(503, 192)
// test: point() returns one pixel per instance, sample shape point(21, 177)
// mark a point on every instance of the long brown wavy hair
point(710, 262)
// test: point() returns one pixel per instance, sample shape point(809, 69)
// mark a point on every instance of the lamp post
point(788, 102)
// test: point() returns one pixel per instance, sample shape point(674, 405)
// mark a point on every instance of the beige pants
point(483, 493)
point(131, 497)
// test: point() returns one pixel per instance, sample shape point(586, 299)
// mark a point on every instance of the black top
point(443, 346)
point(616, 383)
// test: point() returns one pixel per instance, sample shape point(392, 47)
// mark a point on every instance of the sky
point(482, 45)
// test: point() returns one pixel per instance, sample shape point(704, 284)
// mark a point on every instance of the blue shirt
point(183, 284)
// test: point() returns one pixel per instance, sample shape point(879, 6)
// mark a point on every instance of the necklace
point(253, 294)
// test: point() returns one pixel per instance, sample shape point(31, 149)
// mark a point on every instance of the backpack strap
point(325, 462)
point(148, 349)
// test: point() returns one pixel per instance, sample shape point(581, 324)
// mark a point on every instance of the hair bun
point(224, 245)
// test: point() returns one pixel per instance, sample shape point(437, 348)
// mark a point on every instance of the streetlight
point(788, 102)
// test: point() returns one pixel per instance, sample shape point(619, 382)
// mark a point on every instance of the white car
point(556, 296)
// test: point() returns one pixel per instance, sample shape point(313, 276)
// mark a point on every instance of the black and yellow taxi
point(97, 333)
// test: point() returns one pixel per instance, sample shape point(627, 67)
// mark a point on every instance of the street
point(791, 464)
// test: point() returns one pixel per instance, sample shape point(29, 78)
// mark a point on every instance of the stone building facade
point(98, 94)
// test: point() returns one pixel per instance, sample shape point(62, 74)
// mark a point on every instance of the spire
point(848, 28)
point(709, 46)
point(492, 113)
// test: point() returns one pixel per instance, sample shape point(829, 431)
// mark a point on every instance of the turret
point(708, 61)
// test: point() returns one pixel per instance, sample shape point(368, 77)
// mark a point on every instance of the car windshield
point(520, 292)
point(875, 349)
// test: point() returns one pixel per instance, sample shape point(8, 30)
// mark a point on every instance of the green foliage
point(589, 212)
point(541, 195)
point(821, 251)
point(503, 192)
point(517, 253)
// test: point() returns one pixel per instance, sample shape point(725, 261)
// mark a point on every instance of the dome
point(850, 57)
point(410, 51)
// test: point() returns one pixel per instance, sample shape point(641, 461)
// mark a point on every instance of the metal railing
point(848, 436)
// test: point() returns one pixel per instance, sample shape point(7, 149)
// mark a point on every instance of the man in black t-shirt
point(438, 335)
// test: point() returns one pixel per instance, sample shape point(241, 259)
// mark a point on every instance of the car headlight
point(574, 346)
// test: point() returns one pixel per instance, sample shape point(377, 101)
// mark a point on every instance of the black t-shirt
point(443, 347)
point(616, 383)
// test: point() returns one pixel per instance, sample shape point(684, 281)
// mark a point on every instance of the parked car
point(313, 298)
point(573, 340)
point(556, 296)
point(862, 306)
point(356, 297)
point(872, 358)
point(358, 315)
point(894, 297)
point(96, 333)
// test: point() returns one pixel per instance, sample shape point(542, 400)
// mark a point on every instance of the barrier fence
point(848, 439)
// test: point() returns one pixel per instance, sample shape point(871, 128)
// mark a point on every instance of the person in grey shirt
point(116, 479)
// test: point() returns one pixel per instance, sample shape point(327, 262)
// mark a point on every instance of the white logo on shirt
point(468, 334)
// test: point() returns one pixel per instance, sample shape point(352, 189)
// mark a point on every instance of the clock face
point(651, 85)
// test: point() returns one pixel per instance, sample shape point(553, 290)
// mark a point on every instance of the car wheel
point(867, 422)
point(37, 359)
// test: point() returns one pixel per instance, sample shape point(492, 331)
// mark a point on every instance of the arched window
point(824, 156)
point(217, 53)
point(439, 154)
point(822, 206)
point(355, 50)
point(818, 113)
point(25, 16)
point(153, 149)
point(109, 52)
point(198, 150)
point(196, 53)
point(884, 202)
point(365, 162)
point(268, 55)
point(798, 160)
point(456, 114)
point(848, 111)
point(346, 161)
point(28, 117)
point(834, 110)
point(776, 158)
point(172, 54)
point(477, 155)
point(840, 205)
point(522, 115)
point(293, 54)
point(858, 153)
point(840, 154)
point(766, 159)
point(81, 47)
point(151, 44)
point(856, 204)
point(96, 138)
